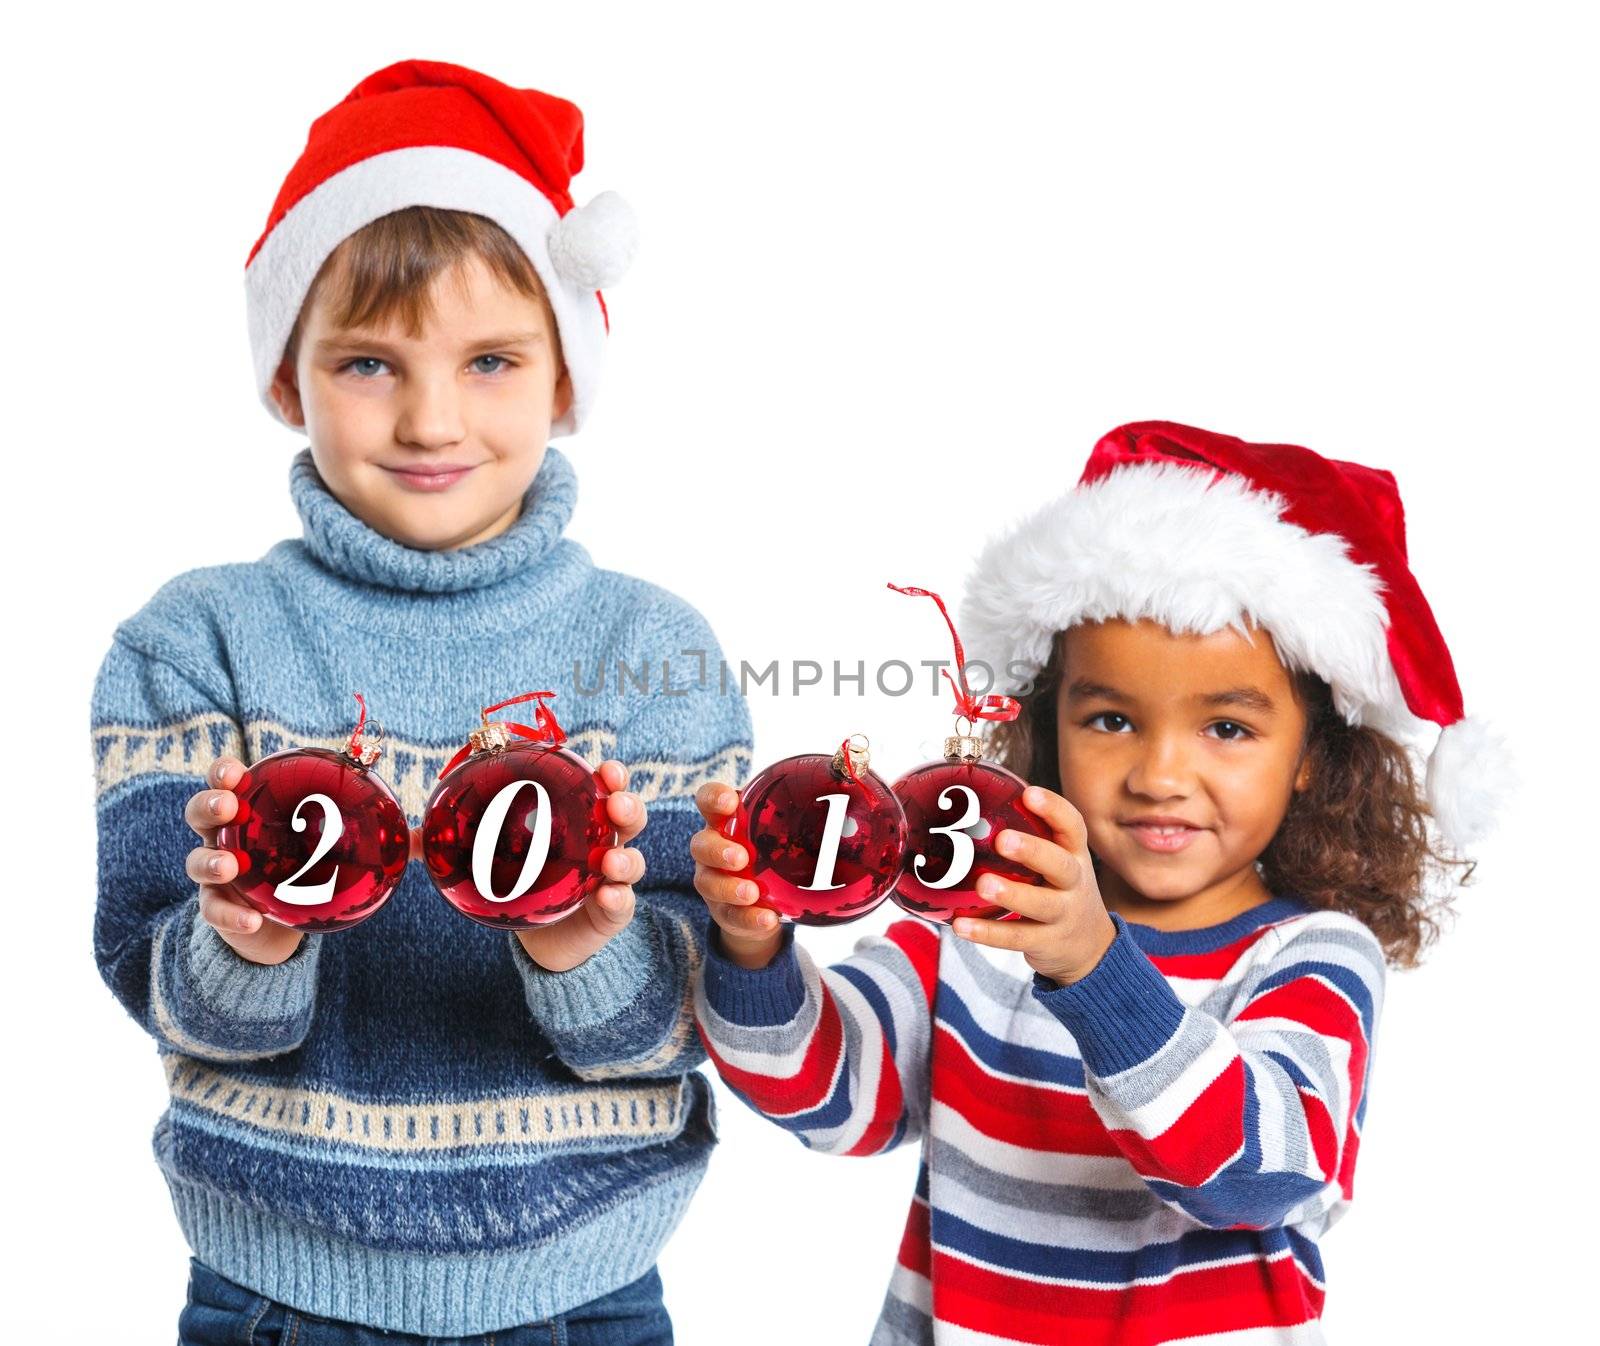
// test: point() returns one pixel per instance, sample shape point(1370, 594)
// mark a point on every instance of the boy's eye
point(1228, 730)
point(369, 366)
point(1110, 721)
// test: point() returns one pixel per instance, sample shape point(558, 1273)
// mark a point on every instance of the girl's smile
point(1182, 753)
point(1162, 835)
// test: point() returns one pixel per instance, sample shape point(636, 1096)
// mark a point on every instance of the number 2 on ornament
point(314, 895)
point(332, 804)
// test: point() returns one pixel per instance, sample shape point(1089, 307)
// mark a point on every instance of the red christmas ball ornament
point(956, 807)
point(825, 835)
point(514, 832)
point(319, 838)
point(954, 810)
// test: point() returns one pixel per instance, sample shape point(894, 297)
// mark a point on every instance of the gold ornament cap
point(363, 745)
point(963, 748)
point(491, 736)
point(860, 756)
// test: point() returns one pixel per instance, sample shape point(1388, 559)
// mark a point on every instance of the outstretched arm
point(1245, 1124)
point(838, 1056)
point(1249, 1123)
point(155, 729)
point(625, 1009)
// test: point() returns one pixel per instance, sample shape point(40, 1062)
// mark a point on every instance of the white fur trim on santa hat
point(1471, 776)
point(593, 245)
point(1197, 553)
point(281, 272)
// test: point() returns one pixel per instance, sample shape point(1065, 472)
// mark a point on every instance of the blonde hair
point(386, 270)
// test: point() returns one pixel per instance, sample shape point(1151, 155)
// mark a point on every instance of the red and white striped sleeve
point(1249, 1121)
point(838, 1055)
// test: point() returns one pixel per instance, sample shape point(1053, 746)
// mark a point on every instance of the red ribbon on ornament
point(968, 706)
point(355, 734)
point(849, 766)
point(354, 747)
point(547, 729)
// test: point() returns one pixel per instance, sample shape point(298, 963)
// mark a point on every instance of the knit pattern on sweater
point(408, 1123)
point(1146, 1155)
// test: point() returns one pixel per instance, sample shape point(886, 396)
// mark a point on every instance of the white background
point(901, 267)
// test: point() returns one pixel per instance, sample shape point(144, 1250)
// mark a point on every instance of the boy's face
point(432, 440)
point(1182, 753)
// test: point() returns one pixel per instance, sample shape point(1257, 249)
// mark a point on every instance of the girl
point(1140, 1100)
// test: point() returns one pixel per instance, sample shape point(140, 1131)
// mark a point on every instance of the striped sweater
point(409, 1124)
point(1147, 1155)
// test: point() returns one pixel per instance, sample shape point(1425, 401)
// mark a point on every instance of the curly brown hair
point(1355, 840)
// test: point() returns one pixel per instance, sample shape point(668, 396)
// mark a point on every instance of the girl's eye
point(1229, 731)
point(502, 359)
point(358, 366)
point(1110, 721)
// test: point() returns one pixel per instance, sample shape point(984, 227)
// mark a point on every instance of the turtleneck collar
point(345, 545)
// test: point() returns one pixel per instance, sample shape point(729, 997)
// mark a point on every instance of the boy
point(418, 1124)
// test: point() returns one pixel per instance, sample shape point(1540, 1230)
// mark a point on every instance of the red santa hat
point(1199, 531)
point(427, 133)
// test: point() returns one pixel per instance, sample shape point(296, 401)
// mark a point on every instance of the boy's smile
point(1182, 753)
point(433, 437)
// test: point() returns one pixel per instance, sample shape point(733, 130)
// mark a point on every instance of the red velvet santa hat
point(427, 133)
point(1199, 531)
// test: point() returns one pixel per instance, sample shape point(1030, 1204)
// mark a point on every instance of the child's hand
point(563, 945)
point(249, 933)
point(750, 935)
point(1065, 929)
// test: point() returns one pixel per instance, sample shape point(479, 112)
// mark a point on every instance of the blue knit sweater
point(409, 1124)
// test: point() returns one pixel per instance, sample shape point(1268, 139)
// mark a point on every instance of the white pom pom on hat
point(1471, 777)
point(1199, 531)
point(593, 245)
point(428, 133)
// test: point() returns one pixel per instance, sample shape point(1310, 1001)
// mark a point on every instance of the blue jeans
point(221, 1312)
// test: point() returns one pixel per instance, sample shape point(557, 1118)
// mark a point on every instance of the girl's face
point(1182, 753)
point(432, 440)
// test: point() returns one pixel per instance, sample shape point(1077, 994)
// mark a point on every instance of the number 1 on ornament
point(820, 865)
point(832, 832)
